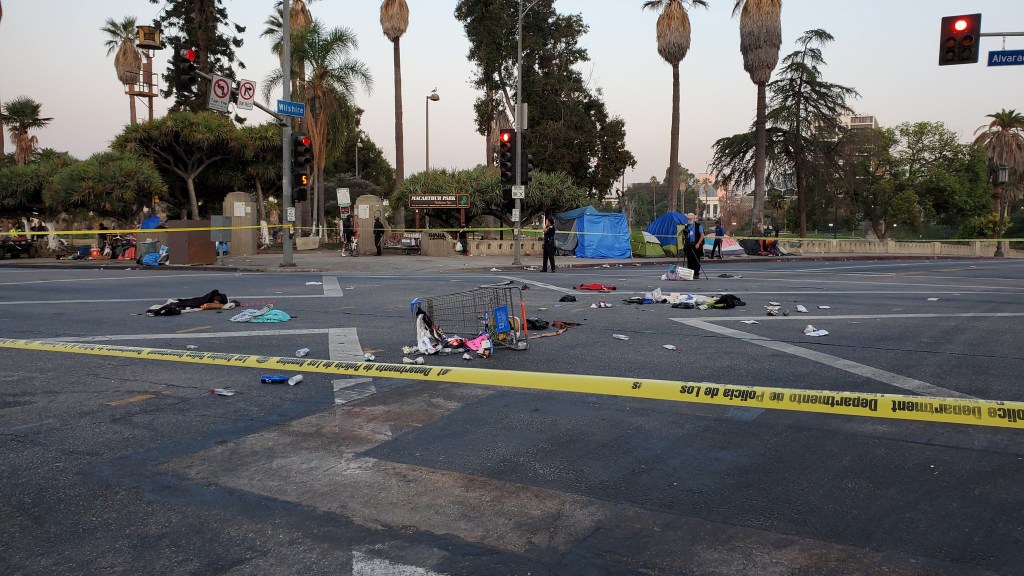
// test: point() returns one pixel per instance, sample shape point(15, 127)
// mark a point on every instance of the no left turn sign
point(220, 94)
point(246, 94)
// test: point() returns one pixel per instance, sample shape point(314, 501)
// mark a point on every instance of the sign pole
point(286, 137)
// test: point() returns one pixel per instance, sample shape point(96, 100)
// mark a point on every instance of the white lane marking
point(331, 287)
point(343, 344)
point(156, 300)
point(346, 391)
point(796, 316)
point(189, 336)
point(363, 565)
point(878, 374)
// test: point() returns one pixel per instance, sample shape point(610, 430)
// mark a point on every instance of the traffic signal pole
point(286, 136)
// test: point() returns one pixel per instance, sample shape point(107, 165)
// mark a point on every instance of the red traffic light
point(188, 54)
point(505, 136)
point(304, 140)
point(960, 25)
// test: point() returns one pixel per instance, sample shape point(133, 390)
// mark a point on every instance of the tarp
point(588, 233)
point(730, 246)
point(664, 227)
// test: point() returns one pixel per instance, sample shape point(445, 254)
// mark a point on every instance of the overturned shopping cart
point(498, 312)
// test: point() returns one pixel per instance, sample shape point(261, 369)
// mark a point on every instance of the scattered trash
point(295, 380)
point(750, 322)
point(933, 299)
point(222, 391)
point(536, 324)
point(495, 269)
point(729, 276)
point(596, 287)
point(774, 304)
point(314, 283)
point(668, 346)
point(772, 310)
point(824, 307)
point(605, 266)
point(812, 331)
point(466, 356)
point(191, 347)
point(409, 349)
point(407, 360)
point(601, 305)
point(369, 357)
point(273, 379)
point(567, 298)
point(541, 308)
point(620, 336)
point(800, 308)
point(301, 352)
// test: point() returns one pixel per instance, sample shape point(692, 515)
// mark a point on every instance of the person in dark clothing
point(549, 245)
point(719, 234)
point(349, 234)
point(101, 237)
point(464, 240)
point(378, 234)
point(693, 240)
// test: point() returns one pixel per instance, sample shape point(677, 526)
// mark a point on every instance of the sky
point(887, 50)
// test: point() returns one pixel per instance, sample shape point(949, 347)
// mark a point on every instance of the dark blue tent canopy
point(664, 227)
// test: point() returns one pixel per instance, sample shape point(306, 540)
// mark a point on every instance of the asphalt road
point(125, 466)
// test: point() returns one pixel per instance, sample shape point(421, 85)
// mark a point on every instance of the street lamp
point(1002, 177)
point(432, 97)
point(359, 144)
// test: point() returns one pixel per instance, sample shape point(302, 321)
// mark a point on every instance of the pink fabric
point(475, 343)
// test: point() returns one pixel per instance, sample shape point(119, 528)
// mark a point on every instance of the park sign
point(439, 201)
point(1006, 58)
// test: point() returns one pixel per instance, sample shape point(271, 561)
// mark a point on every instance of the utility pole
point(286, 135)
point(520, 124)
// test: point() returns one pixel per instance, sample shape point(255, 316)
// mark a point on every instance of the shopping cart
point(490, 310)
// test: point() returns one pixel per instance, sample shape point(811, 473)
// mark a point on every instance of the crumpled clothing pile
point(265, 314)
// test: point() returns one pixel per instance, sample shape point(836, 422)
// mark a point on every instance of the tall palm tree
point(760, 40)
point(331, 77)
point(21, 115)
point(394, 20)
point(1003, 139)
point(128, 60)
point(673, 34)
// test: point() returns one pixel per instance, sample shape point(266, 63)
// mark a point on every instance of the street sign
point(343, 197)
point(515, 214)
point(1006, 58)
point(246, 94)
point(220, 93)
point(289, 108)
point(439, 201)
point(518, 192)
point(289, 215)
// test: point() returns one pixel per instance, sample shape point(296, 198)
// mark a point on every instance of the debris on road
point(222, 391)
point(801, 308)
point(620, 336)
point(812, 331)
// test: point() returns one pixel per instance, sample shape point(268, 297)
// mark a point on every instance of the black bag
point(537, 324)
point(567, 298)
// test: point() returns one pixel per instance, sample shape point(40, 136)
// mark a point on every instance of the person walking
point(549, 245)
point(693, 241)
point(378, 233)
point(719, 234)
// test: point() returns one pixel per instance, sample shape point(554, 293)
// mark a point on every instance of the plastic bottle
point(301, 352)
point(273, 379)
point(222, 391)
point(295, 380)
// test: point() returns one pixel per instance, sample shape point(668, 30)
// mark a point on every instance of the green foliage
point(22, 187)
point(547, 194)
point(109, 183)
point(985, 226)
point(205, 26)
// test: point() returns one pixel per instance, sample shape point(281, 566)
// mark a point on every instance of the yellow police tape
point(895, 406)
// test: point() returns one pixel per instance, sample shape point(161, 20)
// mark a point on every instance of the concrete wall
point(840, 246)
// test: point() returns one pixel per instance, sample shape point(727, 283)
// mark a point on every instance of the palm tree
point(128, 61)
point(673, 35)
point(394, 20)
point(331, 77)
point(21, 115)
point(299, 17)
point(760, 40)
point(1003, 139)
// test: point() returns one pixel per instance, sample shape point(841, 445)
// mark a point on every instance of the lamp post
point(1002, 177)
point(359, 144)
point(432, 97)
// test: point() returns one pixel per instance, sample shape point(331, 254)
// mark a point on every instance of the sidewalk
point(324, 261)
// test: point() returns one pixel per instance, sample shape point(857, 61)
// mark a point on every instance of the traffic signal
point(184, 62)
point(525, 161)
point(507, 156)
point(302, 158)
point(960, 39)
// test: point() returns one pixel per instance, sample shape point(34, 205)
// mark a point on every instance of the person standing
point(378, 233)
point(549, 245)
point(719, 234)
point(693, 241)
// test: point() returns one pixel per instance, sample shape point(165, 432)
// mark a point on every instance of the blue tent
point(664, 227)
point(588, 233)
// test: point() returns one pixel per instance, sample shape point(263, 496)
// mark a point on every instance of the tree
point(760, 40)
point(868, 165)
point(1003, 139)
point(259, 153)
point(394, 21)
point(332, 76)
point(109, 183)
point(128, 59)
point(198, 24)
point(21, 115)
point(571, 130)
point(673, 34)
point(183, 143)
point(806, 108)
